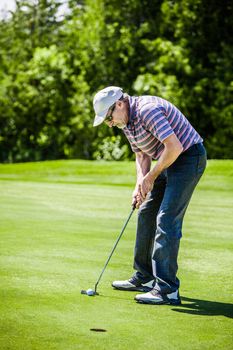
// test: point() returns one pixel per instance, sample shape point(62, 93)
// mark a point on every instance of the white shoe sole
point(171, 299)
point(127, 286)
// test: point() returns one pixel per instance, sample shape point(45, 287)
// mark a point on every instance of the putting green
point(58, 223)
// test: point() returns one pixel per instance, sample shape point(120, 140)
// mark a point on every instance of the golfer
point(156, 130)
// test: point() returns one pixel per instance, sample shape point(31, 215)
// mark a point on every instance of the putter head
point(89, 292)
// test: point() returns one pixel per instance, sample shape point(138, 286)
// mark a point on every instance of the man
point(156, 129)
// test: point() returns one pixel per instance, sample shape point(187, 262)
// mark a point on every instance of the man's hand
point(142, 189)
point(143, 164)
point(136, 197)
point(146, 185)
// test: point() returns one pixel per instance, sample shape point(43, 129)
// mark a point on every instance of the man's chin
point(120, 126)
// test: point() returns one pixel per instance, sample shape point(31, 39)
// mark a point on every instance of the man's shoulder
point(147, 104)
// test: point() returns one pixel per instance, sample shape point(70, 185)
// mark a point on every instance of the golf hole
point(98, 330)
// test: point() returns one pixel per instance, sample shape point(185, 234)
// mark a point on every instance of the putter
point(91, 292)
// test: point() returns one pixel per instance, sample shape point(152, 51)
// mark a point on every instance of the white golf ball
point(90, 292)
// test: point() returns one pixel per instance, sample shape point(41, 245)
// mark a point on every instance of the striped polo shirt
point(151, 120)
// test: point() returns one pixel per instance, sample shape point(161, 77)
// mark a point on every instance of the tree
point(50, 68)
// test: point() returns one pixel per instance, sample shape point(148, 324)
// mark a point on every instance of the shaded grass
point(59, 221)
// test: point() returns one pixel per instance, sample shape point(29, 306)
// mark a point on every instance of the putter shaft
point(113, 249)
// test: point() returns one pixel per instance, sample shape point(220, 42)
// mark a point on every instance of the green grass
point(58, 223)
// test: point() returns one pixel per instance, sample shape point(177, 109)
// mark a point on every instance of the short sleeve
point(134, 148)
point(155, 121)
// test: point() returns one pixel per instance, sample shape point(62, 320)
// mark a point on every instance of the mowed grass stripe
point(59, 221)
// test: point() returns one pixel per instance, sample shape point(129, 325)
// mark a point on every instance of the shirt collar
point(132, 109)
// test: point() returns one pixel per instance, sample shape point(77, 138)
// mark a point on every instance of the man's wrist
point(152, 175)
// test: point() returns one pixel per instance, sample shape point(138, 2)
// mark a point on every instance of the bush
point(111, 149)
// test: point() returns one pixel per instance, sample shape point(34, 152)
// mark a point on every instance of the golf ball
point(90, 292)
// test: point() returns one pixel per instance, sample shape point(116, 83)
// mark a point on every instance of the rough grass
point(58, 223)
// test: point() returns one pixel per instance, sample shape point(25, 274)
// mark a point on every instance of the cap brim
point(100, 118)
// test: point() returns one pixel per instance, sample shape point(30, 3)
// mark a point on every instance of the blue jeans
point(160, 219)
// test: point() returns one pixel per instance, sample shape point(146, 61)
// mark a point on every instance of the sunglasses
point(110, 117)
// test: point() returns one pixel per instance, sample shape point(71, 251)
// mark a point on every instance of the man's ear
point(120, 103)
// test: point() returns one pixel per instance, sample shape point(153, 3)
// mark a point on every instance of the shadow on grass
point(205, 308)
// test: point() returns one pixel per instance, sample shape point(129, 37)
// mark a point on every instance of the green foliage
point(51, 66)
point(111, 149)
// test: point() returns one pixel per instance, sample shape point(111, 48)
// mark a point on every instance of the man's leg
point(146, 227)
point(182, 178)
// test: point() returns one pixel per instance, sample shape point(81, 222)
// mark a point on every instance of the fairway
point(58, 223)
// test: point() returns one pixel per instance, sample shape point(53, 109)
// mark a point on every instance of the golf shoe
point(155, 298)
point(133, 285)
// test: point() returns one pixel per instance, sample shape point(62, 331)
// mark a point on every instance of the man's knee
point(168, 226)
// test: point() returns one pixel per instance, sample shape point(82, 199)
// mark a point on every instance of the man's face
point(118, 115)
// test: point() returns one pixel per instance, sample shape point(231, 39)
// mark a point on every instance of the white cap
point(103, 100)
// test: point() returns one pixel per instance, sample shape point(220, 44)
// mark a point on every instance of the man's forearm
point(169, 155)
point(163, 163)
point(143, 165)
